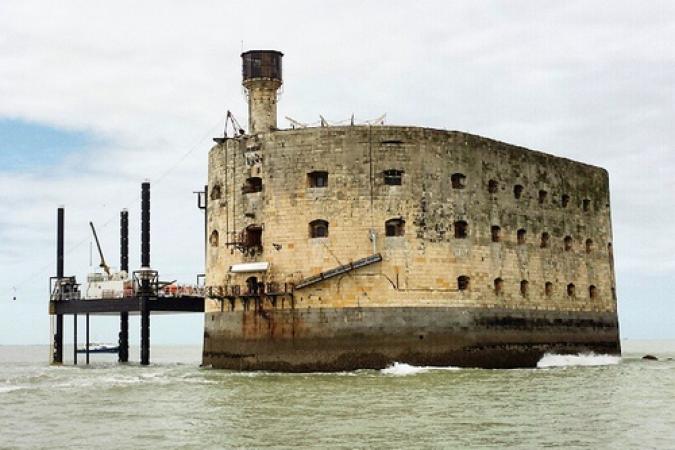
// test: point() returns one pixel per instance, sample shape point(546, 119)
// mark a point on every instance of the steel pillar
point(57, 357)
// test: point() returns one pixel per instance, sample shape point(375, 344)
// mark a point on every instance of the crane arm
point(103, 265)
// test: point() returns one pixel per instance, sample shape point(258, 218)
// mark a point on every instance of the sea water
point(569, 401)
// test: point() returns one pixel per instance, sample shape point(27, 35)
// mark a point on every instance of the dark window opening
point(520, 236)
point(542, 196)
point(544, 239)
point(461, 229)
point(215, 192)
point(610, 251)
point(393, 177)
point(253, 236)
point(614, 294)
point(392, 141)
point(517, 191)
point(592, 292)
point(565, 200)
point(548, 289)
point(394, 227)
point(252, 185)
point(318, 229)
point(493, 186)
point(463, 282)
point(213, 239)
point(317, 179)
point(589, 245)
point(499, 286)
point(524, 285)
point(253, 287)
point(496, 232)
point(570, 290)
point(458, 180)
point(586, 204)
point(568, 243)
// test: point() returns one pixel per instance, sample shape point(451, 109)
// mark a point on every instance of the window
point(564, 200)
point(517, 191)
point(318, 229)
point(463, 282)
point(570, 290)
point(213, 239)
point(215, 192)
point(393, 177)
point(586, 204)
point(548, 289)
point(589, 245)
point(394, 227)
point(458, 180)
point(542, 196)
point(610, 251)
point(544, 240)
point(568, 243)
point(252, 185)
point(520, 236)
point(524, 284)
point(252, 286)
point(496, 232)
point(499, 286)
point(461, 229)
point(592, 292)
point(318, 179)
point(493, 186)
point(253, 236)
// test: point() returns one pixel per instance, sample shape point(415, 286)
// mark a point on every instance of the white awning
point(250, 267)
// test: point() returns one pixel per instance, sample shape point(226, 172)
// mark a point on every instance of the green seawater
point(590, 401)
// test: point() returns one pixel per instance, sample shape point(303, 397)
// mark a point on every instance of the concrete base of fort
point(323, 339)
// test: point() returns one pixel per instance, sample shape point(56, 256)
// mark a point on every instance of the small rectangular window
point(393, 177)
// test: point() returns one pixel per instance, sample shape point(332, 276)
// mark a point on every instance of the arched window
point(499, 286)
point(520, 236)
point(564, 200)
point(568, 243)
point(463, 282)
point(252, 185)
point(592, 292)
point(215, 192)
point(393, 177)
point(318, 229)
point(493, 186)
point(524, 285)
point(544, 240)
point(394, 227)
point(253, 236)
point(586, 204)
point(542, 196)
point(213, 239)
point(548, 289)
point(589, 245)
point(458, 180)
point(570, 290)
point(517, 191)
point(317, 179)
point(461, 229)
point(496, 233)
point(252, 286)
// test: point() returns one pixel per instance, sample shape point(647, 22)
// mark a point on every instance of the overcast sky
point(95, 97)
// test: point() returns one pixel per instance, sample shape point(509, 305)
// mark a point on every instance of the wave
point(402, 369)
point(582, 359)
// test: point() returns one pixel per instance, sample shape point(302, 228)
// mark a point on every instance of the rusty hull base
point(329, 339)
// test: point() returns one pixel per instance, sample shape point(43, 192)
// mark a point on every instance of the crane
point(103, 264)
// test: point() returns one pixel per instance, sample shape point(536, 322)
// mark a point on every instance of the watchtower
point(262, 79)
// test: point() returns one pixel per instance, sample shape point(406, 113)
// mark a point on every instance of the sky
point(96, 97)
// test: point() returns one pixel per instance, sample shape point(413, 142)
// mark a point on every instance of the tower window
point(253, 236)
point(394, 227)
point(589, 245)
point(317, 179)
point(586, 204)
point(544, 240)
point(318, 229)
point(592, 292)
point(564, 200)
point(499, 286)
point(215, 192)
point(524, 284)
point(568, 243)
point(520, 236)
point(463, 282)
point(496, 233)
point(542, 196)
point(213, 239)
point(570, 290)
point(252, 185)
point(393, 177)
point(493, 186)
point(548, 289)
point(610, 251)
point(517, 191)
point(461, 229)
point(458, 181)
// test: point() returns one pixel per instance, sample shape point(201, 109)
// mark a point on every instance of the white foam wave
point(6, 389)
point(402, 369)
point(583, 359)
